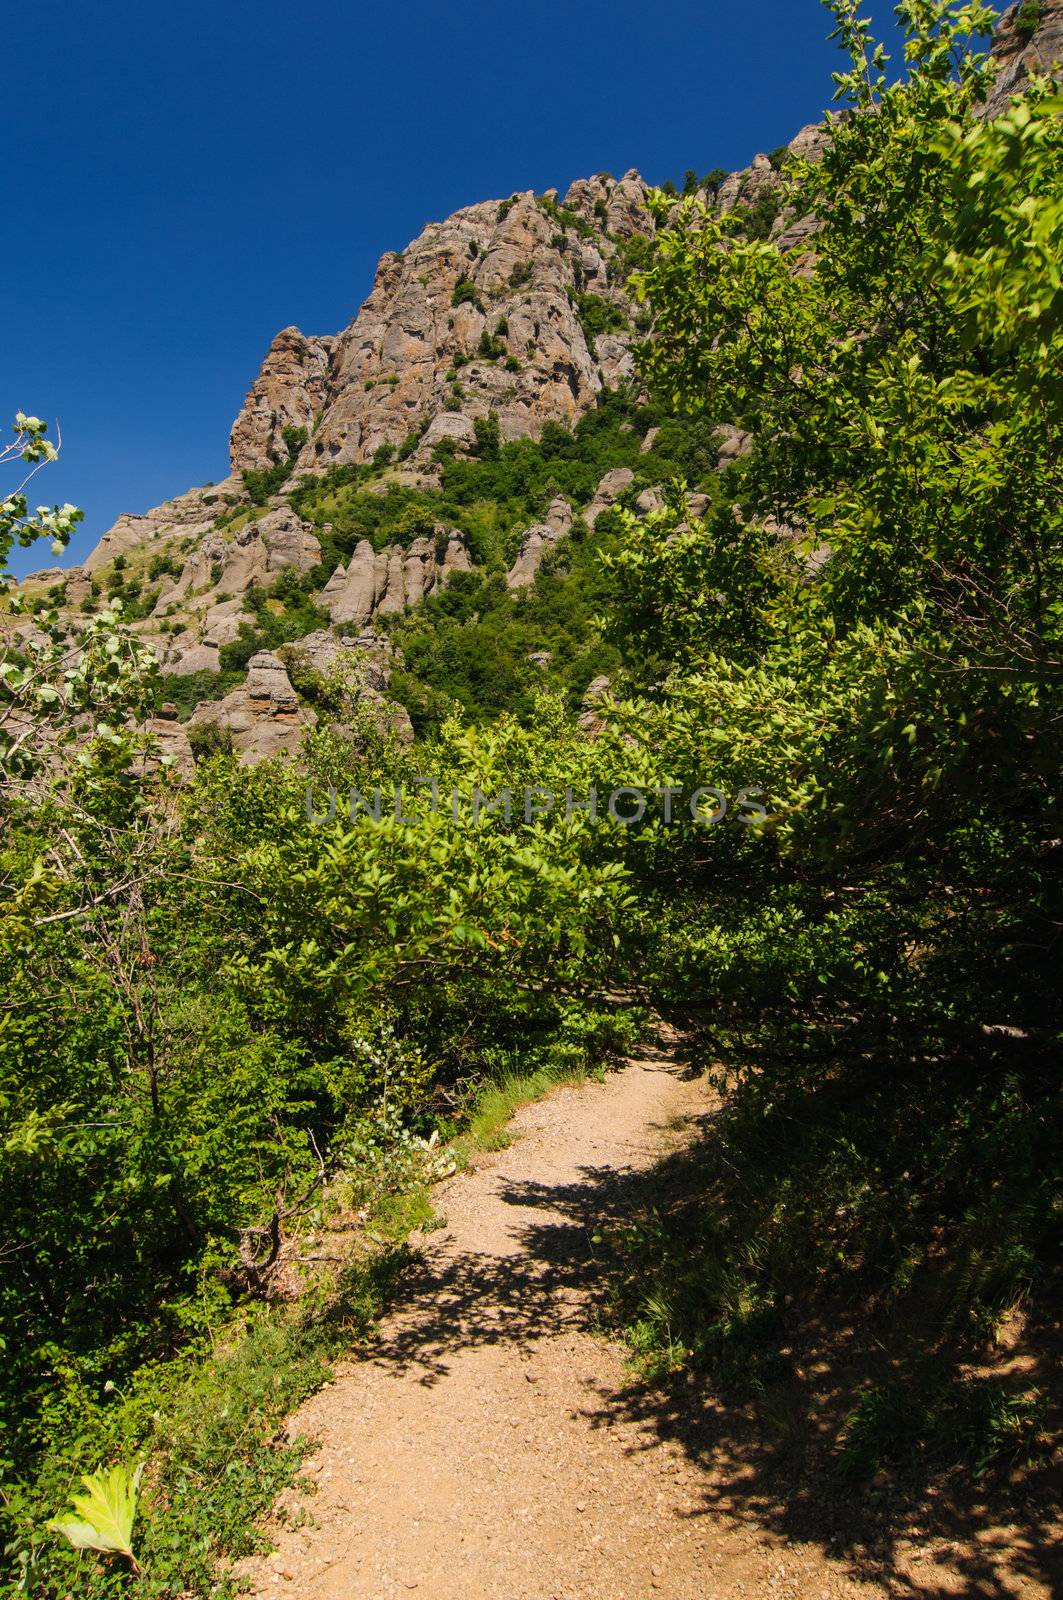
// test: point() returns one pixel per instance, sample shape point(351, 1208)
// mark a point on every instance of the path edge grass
point(216, 1445)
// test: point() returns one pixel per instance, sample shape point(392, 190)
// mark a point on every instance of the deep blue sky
point(180, 181)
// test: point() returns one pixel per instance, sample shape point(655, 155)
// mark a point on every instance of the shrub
point(210, 739)
point(1028, 19)
point(161, 565)
point(261, 484)
point(465, 294)
point(755, 222)
point(565, 216)
point(185, 691)
point(598, 315)
point(487, 435)
point(491, 348)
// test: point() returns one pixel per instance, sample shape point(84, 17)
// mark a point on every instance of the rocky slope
point(1029, 41)
point(511, 312)
point(434, 308)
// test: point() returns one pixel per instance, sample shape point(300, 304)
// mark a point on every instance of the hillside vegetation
point(227, 1026)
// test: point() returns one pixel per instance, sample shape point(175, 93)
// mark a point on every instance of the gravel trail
point(479, 1452)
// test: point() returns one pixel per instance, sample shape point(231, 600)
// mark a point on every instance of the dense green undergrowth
point(469, 648)
point(848, 1243)
point(879, 1200)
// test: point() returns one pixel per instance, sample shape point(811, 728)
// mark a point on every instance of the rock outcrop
point(590, 719)
point(230, 564)
point(537, 541)
point(359, 668)
point(381, 581)
point(263, 717)
point(492, 293)
point(192, 515)
point(608, 493)
point(289, 392)
point(1022, 51)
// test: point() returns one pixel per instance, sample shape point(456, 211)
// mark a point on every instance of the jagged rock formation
point(591, 718)
point(381, 581)
point(436, 307)
point(537, 541)
point(192, 514)
point(362, 665)
point(263, 717)
point(608, 492)
point(172, 736)
point(290, 392)
point(221, 564)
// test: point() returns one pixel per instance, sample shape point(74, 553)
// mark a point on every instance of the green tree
point(869, 625)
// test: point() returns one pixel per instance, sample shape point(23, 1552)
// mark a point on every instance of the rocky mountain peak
point(508, 306)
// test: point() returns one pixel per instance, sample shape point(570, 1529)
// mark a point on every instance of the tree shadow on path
point(768, 1456)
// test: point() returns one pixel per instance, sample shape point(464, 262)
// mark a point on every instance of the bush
point(1028, 19)
point(187, 690)
point(260, 485)
point(163, 566)
point(598, 315)
point(487, 435)
point(465, 293)
point(566, 217)
point(846, 963)
point(210, 739)
point(755, 222)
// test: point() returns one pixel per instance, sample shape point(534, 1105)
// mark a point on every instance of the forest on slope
point(218, 1010)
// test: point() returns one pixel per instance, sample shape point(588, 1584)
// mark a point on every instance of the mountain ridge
point(506, 320)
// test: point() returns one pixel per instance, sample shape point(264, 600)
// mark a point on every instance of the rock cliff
point(493, 295)
point(378, 582)
point(1029, 40)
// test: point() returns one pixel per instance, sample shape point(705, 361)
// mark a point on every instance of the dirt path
point(478, 1453)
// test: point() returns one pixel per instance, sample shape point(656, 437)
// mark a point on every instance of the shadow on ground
point(768, 1449)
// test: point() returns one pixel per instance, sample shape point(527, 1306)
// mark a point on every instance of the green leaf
point(106, 1511)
